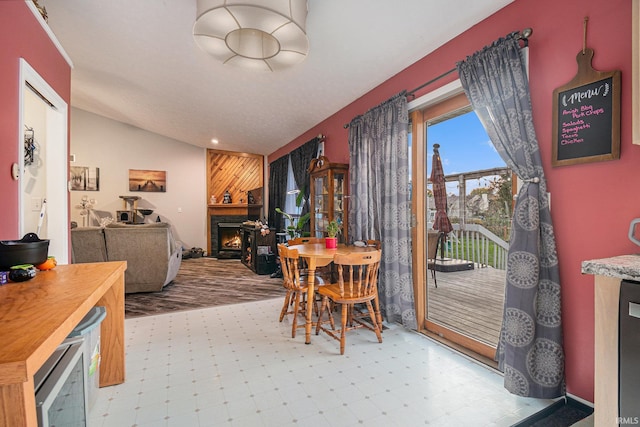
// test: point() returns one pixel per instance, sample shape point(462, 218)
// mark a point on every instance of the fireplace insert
point(229, 240)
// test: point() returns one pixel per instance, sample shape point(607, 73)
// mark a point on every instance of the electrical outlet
point(36, 204)
point(179, 210)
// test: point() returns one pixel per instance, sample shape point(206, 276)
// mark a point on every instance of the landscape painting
point(147, 180)
point(85, 178)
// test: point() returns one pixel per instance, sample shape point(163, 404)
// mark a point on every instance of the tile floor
point(237, 366)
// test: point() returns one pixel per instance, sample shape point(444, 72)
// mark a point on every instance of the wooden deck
point(469, 302)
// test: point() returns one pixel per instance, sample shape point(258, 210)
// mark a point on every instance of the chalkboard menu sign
point(586, 116)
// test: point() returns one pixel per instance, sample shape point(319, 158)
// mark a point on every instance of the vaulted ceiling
point(135, 61)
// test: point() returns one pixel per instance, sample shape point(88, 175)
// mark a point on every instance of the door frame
point(419, 189)
point(448, 98)
point(57, 162)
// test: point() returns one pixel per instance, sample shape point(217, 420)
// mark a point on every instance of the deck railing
point(476, 244)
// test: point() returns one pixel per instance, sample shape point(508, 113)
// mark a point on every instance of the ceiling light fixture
point(259, 34)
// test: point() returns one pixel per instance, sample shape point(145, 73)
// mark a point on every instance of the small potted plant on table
point(333, 229)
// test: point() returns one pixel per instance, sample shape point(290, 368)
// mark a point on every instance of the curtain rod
point(522, 35)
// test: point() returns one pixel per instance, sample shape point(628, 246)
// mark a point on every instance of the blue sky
point(464, 147)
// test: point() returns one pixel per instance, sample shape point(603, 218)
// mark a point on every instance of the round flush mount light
point(258, 34)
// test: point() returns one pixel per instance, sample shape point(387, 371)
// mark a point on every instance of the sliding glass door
point(461, 298)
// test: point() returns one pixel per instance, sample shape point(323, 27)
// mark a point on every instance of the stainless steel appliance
point(629, 351)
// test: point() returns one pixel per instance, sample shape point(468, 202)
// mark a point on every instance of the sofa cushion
point(87, 245)
point(151, 260)
point(146, 225)
point(172, 242)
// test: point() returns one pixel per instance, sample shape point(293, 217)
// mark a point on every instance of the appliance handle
point(632, 227)
point(634, 310)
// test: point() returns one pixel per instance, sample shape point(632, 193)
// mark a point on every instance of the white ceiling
point(135, 61)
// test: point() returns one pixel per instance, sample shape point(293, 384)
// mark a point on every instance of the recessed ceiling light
point(214, 141)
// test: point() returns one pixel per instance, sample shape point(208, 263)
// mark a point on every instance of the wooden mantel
point(37, 315)
point(231, 208)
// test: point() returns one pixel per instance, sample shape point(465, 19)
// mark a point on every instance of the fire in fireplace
point(229, 240)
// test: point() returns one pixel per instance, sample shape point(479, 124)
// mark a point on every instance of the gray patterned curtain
point(379, 205)
point(300, 159)
point(278, 170)
point(530, 351)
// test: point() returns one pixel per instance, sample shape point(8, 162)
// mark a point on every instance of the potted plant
point(333, 229)
point(294, 229)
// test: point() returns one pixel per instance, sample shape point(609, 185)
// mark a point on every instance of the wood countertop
point(37, 315)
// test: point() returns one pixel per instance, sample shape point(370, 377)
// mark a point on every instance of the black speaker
point(266, 264)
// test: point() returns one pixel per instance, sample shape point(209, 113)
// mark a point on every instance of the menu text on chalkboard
point(586, 116)
point(584, 120)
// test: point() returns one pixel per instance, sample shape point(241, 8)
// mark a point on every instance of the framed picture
point(85, 178)
point(147, 180)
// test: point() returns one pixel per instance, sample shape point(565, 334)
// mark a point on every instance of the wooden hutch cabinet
point(329, 187)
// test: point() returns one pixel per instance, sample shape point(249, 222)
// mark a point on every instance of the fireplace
point(229, 240)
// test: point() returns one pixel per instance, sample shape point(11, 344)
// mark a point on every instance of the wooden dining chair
point(361, 311)
point(296, 286)
point(433, 237)
point(357, 283)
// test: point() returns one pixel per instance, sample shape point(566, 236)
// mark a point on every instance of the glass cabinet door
point(338, 202)
point(321, 205)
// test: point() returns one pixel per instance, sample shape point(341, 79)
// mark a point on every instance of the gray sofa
point(152, 254)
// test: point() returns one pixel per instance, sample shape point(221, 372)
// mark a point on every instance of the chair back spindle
point(289, 259)
point(360, 271)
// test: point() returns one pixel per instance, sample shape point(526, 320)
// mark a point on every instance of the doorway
point(460, 309)
point(43, 199)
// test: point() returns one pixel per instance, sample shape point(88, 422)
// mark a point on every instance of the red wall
point(21, 36)
point(591, 204)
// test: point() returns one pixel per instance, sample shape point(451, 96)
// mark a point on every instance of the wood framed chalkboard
point(586, 116)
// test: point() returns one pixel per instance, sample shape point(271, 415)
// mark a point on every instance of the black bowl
point(28, 250)
point(145, 212)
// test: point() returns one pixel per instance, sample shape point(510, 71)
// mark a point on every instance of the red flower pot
point(331, 242)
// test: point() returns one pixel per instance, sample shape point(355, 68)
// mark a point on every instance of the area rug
point(205, 282)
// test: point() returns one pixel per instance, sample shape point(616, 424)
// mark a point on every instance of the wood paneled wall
point(236, 172)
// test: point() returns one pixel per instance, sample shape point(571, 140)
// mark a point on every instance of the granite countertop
point(623, 267)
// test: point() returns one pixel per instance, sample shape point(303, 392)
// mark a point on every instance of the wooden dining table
point(317, 255)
